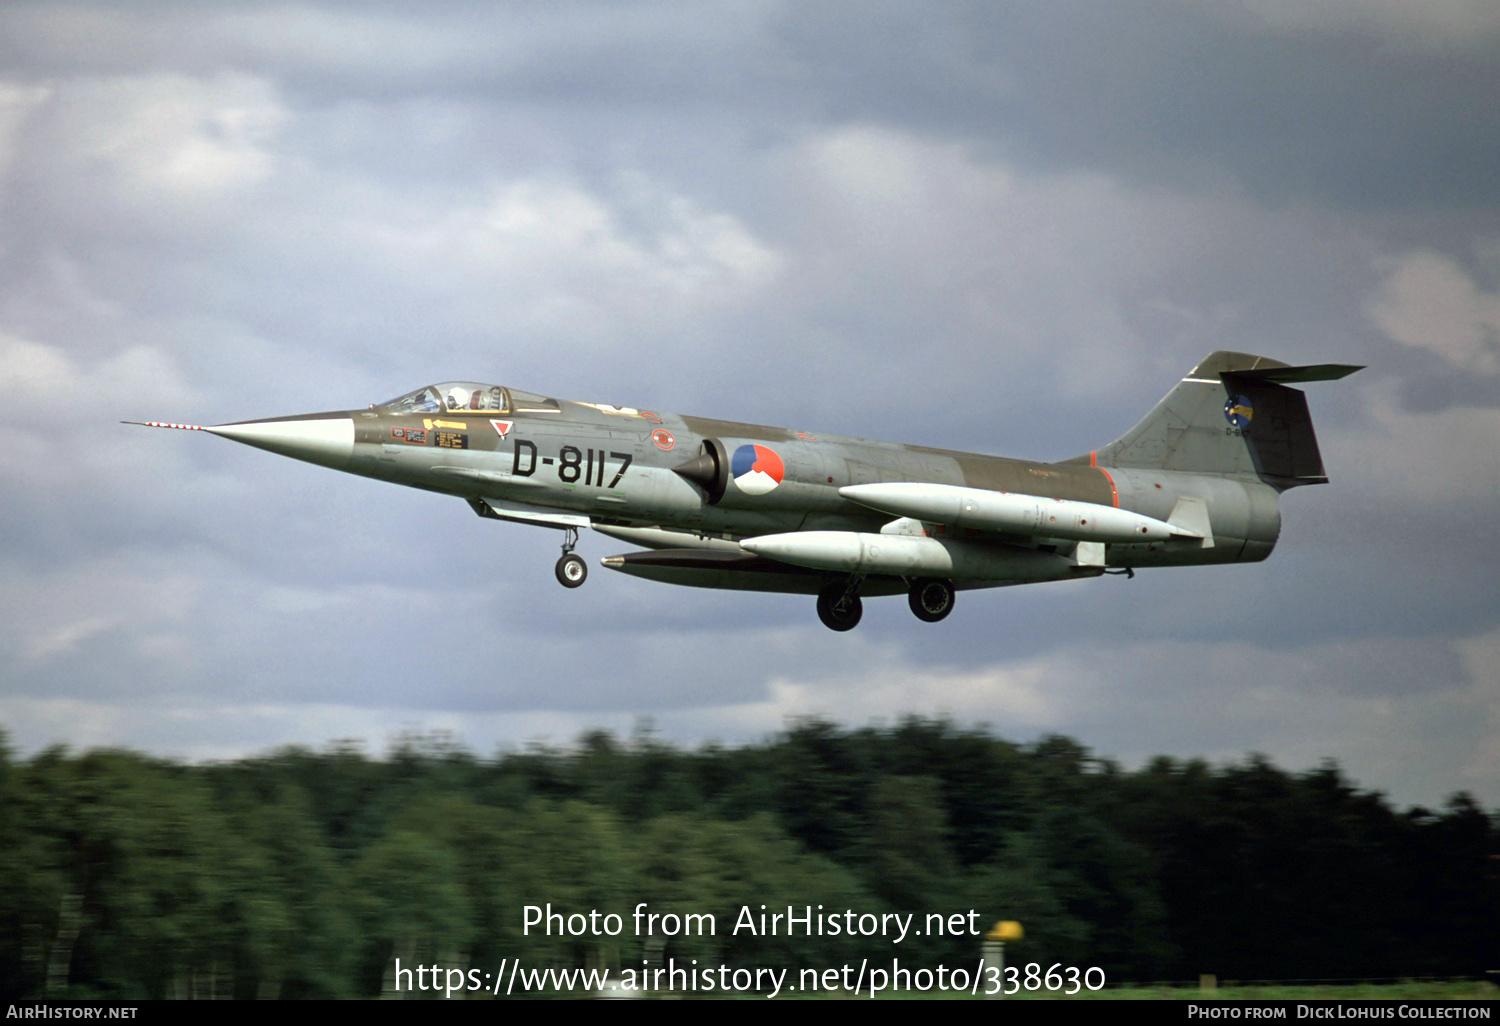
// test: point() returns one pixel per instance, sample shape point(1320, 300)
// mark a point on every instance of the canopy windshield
point(451, 397)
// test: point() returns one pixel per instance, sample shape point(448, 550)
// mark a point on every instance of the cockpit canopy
point(466, 397)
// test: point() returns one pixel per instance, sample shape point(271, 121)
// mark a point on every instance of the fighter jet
point(721, 504)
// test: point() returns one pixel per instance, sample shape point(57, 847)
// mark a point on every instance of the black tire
point(930, 598)
point(572, 571)
point(836, 612)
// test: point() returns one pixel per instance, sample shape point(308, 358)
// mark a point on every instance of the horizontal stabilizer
point(1298, 375)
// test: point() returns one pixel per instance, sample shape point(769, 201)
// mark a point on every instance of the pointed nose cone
point(326, 439)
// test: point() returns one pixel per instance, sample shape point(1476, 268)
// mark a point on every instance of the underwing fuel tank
point(1010, 512)
point(911, 556)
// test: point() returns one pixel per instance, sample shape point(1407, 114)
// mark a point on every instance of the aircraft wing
point(521, 513)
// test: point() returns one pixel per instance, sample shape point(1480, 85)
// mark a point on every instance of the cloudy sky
point(999, 227)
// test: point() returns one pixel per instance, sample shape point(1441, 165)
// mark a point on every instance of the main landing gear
point(572, 571)
point(930, 599)
point(839, 606)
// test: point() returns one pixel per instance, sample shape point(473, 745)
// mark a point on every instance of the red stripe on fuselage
point(1114, 495)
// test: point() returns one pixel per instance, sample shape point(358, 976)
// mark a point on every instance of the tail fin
point(1232, 415)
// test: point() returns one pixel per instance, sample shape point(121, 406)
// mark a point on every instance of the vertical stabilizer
point(1233, 415)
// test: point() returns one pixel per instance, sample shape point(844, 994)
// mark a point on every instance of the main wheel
point(930, 598)
point(837, 612)
point(571, 570)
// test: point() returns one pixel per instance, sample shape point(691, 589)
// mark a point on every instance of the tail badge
point(1239, 412)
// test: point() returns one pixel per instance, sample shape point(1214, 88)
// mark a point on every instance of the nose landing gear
point(571, 570)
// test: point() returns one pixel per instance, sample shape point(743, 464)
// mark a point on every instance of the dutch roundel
point(756, 469)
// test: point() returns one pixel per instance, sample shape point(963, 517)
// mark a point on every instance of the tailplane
point(1233, 415)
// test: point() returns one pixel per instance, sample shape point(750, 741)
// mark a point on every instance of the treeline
point(303, 874)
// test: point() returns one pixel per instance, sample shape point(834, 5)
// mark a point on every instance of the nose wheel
point(571, 570)
point(931, 599)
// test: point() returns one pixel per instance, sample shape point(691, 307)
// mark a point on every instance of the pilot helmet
point(458, 398)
